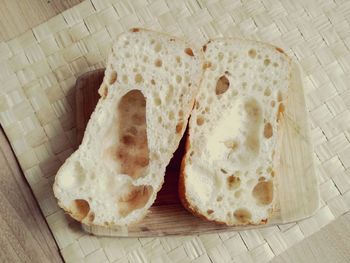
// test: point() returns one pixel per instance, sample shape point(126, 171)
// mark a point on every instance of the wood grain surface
point(297, 191)
point(24, 234)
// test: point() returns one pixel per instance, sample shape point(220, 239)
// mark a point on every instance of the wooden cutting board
point(297, 188)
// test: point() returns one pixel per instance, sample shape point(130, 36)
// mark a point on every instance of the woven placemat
point(37, 108)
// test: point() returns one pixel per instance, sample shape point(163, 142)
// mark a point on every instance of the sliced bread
point(229, 167)
point(147, 94)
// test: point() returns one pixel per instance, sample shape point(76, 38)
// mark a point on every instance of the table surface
point(20, 217)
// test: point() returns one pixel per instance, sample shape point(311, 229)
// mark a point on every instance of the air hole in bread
point(158, 63)
point(263, 221)
point(233, 182)
point(267, 62)
point(252, 53)
point(273, 173)
point(220, 56)
point(145, 59)
point(267, 91)
point(179, 127)
point(79, 209)
point(171, 115)
point(238, 193)
point(153, 82)
point(125, 79)
point(242, 215)
point(268, 130)
point(135, 30)
point(273, 103)
point(136, 197)
point(138, 78)
point(178, 79)
point(200, 120)
point(189, 52)
point(157, 101)
point(219, 199)
point(263, 193)
point(178, 59)
point(280, 111)
point(157, 47)
point(244, 85)
point(181, 113)
point(112, 77)
point(170, 94)
point(127, 55)
point(206, 65)
point(222, 85)
point(132, 150)
point(275, 64)
point(210, 211)
point(181, 97)
point(279, 50)
point(223, 171)
point(91, 217)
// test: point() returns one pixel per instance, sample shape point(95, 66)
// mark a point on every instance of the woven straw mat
point(38, 71)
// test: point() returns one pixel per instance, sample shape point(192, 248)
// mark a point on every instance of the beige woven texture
point(37, 109)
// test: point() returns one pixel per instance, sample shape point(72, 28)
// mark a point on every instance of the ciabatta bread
point(229, 167)
point(148, 91)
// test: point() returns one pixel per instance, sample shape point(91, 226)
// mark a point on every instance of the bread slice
point(148, 92)
point(229, 166)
